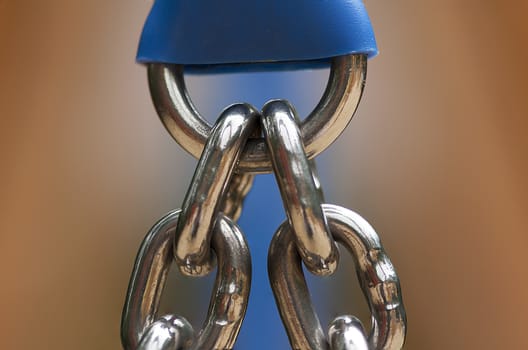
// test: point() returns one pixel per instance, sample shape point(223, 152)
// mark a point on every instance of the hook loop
point(320, 129)
point(378, 280)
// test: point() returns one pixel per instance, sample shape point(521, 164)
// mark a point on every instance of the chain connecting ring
point(188, 236)
point(208, 188)
point(377, 276)
point(328, 120)
point(228, 302)
point(299, 192)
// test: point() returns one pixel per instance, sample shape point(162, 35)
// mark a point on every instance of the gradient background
point(436, 159)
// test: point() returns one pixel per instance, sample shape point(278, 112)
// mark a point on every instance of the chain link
point(377, 277)
point(299, 193)
point(230, 293)
point(209, 185)
point(347, 333)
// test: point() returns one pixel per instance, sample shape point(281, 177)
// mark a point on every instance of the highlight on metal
point(319, 129)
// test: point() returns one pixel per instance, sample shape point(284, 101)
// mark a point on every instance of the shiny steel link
point(299, 193)
point(168, 333)
point(347, 333)
point(228, 301)
point(209, 185)
point(377, 276)
point(328, 120)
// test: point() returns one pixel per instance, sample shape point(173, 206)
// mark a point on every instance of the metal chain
point(378, 278)
point(140, 326)
point(204, 231)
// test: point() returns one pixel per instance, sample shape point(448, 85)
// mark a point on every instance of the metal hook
point(231, 290)
point(378, 280)
point(328, 120)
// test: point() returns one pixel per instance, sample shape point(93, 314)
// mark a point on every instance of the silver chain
point(204, 232)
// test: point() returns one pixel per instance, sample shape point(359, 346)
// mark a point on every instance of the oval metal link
point(300, 194)
point(205, 196)
point(376, 274)
point(231, 289)
point(320, 129)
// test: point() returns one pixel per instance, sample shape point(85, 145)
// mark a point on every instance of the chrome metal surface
point(299, 193)
point(376, 274)
point(209, 184)
point(168, 333)
point(347, 333)
point(230, 294)
point(329, 118)
point(317, 182)
point(239, 187)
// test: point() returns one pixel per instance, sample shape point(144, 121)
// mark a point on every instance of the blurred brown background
point(436, 159)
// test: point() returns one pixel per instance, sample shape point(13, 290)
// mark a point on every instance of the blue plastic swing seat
point(212, 32)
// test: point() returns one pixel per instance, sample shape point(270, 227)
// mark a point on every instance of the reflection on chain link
point(168, 333)
point(208, 188)
point(297, 186)
point(320, 129)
